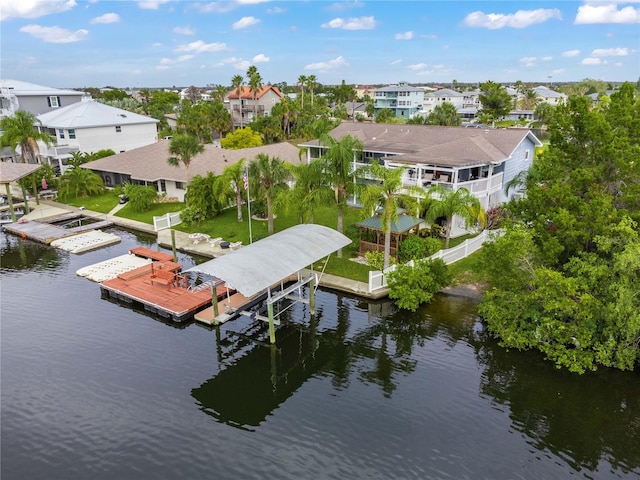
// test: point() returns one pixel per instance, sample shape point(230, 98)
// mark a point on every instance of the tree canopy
point(561, 278)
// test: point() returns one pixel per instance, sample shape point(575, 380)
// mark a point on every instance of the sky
point(168, 43)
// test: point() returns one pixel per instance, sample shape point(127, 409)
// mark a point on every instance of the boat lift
point(259, 270)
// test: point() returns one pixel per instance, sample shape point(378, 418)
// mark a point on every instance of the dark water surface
point(96, 390)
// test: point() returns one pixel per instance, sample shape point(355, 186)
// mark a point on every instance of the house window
point(179, 186)
point(72, 133)
point(163, 186)
point(118, 128)
point(61, 132)
point(526, 155)
point(54, 102)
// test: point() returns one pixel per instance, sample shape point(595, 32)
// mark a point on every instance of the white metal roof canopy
point(258, 266)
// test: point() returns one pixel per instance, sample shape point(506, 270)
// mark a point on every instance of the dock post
point(35, 188)
point(173, 245)
point(214, 300)
point(24, 196)
point(10, 199)
point(272, 328)
point(312, 295)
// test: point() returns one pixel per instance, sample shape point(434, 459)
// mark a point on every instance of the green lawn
point(156, 210)
point(103, 203)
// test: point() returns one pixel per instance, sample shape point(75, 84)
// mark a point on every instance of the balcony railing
point(249, 108)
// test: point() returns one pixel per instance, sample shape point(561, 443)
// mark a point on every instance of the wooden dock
point(46, 232)
point(162, 290)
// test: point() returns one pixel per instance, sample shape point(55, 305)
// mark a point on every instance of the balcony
point(249, 108)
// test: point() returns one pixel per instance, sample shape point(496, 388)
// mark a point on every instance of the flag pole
point(246, 187)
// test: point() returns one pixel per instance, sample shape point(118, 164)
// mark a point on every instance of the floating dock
point(44, 231)
point(137, 257)
point(84, 242)
point(161, 288)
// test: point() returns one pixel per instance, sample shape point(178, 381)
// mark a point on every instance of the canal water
point(94, 389)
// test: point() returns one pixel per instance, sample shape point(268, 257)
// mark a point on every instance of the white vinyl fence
point(166, 221)
point(378, 279)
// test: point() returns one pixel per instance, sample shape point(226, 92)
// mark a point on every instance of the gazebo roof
point(12, 172)
point(403, 224)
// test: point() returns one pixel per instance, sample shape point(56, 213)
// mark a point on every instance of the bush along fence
point(378, 279)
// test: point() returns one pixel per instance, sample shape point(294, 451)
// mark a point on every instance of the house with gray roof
point(483, 161)
point(545, 94)
point(148, 165)
point(402, 98)
point(433, 99)
point(89, 126)
point(37, 99)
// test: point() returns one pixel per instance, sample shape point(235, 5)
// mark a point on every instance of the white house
point(402, 98)
point(483, 161)
point(434, 99)
point(89, 126)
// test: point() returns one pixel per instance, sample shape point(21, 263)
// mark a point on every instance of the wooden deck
point(46, 233)
point(161, 289)
point(152, 254)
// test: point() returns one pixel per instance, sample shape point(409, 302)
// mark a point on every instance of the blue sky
point(162, 43)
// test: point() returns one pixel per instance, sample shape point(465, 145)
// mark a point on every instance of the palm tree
point(269, 176)
point(311, 190)
point(236, 83)
point(80, 182)
point(20, 130)
point(447, 203)
point(220, 93)
point(529, 99)
point(302, 81)
point(183, 148)
point(312, 83)
point(388, 193)
point(444, 115)
point(255, 86)
point(230, 185)
point(338, 161)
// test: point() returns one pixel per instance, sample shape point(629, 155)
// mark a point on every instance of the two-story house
point(244, 108)
point(89, 126)
point(545, 94)
point(483, 161)
point(434, 99)
point(16, 95)
point(403, 99)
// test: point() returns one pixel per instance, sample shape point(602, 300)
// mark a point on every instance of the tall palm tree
point(338, 161)
point(388, 193)
point(255, 86)
point(236, 84)
point(302, 81)
point(20, 130)
point(269, 176)
point(312, 83)
point(183, 148)
point(230, 185)
point(529, 99)
point(310, 191)
point(447, 203)
point(220, 93)
point(80, 182)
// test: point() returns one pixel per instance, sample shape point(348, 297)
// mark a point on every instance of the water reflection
point(19, 254)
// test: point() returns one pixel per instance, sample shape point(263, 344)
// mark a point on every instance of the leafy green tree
point(543, 112)
point(220, 93)
point(413, 247)
point(230, 186)
point(444, 115)
point(268, 177)
point(20, 131)
point(496, 101)
point(269, 128)
point(338, 161)
point(310, 191)
point(411, 286)
point(449, 203)
point(80, 182)
point(384, 115)
point(201, 195)
point(114, 94)
point(387, 194)
point(141, 197)
point(529, 100)
point(183, 148)
point(241, 138)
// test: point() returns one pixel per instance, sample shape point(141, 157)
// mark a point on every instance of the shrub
point(140, 197)
point(412, 248)
point(495, 218)
point(412, 286)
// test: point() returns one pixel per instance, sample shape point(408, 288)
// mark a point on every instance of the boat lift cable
point(326, 261)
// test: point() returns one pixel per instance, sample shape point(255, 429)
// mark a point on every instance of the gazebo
point(371, 232)
point(12, 172)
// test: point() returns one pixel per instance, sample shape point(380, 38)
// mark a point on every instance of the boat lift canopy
point(256, 267)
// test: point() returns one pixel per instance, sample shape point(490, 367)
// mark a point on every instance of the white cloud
point(528, 61)
point(55, 34)
point(260, 58)
point(520, 19)
point(610, 52)
point(151, 4)
point(589, 14)
point(404, 36)
point(591, 61)
point(571, 53)
point(334, 64)
point(417, 66)
point(251, 2)
point(340, 6)
point(362, 23)
point(34, 8)
point(245, 22)
point(106, 18)
point(396, 62)
point(184, 31)
point(200, 47)
point(242, 65)
point(546, 59)
point(166, 62)
point(275, 10)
